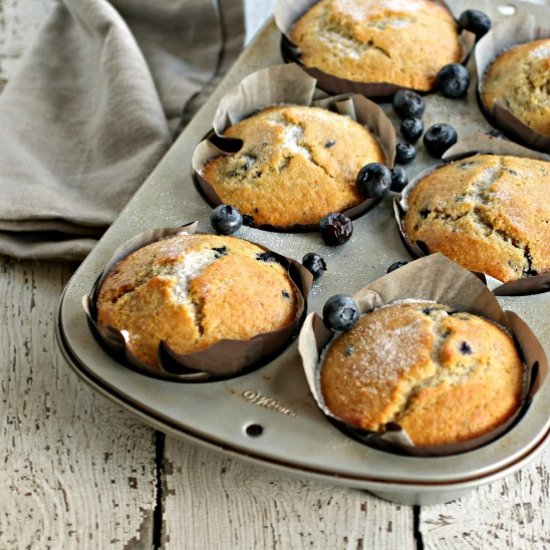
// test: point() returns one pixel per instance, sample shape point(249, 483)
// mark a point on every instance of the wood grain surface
point(80, 473)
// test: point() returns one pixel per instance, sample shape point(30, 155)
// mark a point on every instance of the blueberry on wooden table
point(399, 179)
point(405, 153)
point(453, 80)
point(226, 219)
point(314, 264)
point(412, 129)
point(340, 312)
point(335, 229)
point(374, 180)
point(438, 138)
point(408, 104)
point(475, 21)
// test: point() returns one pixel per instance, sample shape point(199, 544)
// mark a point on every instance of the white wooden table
point(80, 473)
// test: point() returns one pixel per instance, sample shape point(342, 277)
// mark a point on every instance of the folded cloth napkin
point(92, 110)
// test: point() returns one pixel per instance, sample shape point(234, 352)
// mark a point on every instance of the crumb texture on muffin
point(403, 42)
point(194, 290)
point(444, 376)
point(519, 80)
point(488, 213)
point(296, 165)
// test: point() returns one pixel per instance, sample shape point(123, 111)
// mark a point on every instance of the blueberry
point(226, 219)
point(314, 264)
point(475, 21)
point(336, 229)
point(408, 104)
point(438, 138)
point(374, 180)
point(405, 153)
point(399, 179)
point(396, 265)
point(340, 312)
point(412, 129)
point(453, 80)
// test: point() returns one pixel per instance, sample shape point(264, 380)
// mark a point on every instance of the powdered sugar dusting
point(192, 266)
point(292, 136)
point(389, 353)
point(541, 52)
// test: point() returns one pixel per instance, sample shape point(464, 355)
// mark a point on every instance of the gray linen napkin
point(92, 109)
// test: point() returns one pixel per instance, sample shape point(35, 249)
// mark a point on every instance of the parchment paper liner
point(286, 84)
point(469, 146)
point(220, 360)
point(516, 30)
point(438, 279)
point(287, 12)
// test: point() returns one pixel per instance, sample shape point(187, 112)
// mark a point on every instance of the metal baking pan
point(268, 416)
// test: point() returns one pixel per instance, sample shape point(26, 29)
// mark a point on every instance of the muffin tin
point(268, 416)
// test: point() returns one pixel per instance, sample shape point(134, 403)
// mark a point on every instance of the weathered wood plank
point(77, 471)
point(511, 513)
point(226, 503)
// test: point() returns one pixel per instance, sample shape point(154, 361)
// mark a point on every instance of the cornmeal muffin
point(444, 376)
point(519, 80)
point(194, 290)
point(401, 42)
point(296, 165)
point(488, 213)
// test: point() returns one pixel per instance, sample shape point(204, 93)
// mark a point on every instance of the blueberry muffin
point(404, 43)
point(444, 376)
point(519, 80)
point(488, 213)
point(192, 291)
point(297, 164)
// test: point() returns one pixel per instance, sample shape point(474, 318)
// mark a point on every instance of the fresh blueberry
point(374, 180)
point(475, 21)
point(396, 265)
point(408, 104)
point(336, 229)
point(405, 153)
point(314, 264)
point(453, 80)
point(226, 219)
point(399, 179)
point(340, 312)
point(438, 138)
point(412, 129)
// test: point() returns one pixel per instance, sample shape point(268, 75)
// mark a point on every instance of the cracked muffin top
point(488, 213)
point(402, 42)
point(192, 291)
point(297, 164)
point(444, 376)
point(519, 80)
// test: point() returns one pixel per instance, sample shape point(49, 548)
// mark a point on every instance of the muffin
point(488, 213)
point(192, 291)
point(297, 164)
point(402, 43)
point(443, 376)
point(519, 81)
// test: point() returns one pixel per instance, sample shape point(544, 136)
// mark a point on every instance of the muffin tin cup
point(286, 84)
point(434, 279)
point(223, 359)
point(287, 13)
point(469, 146)
point(520, 29)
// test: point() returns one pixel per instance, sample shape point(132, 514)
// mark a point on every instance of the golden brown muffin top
point(519, 80)
point(444, 376)
point(488, 213)
point(296, 165)
point(403, 42)
point(194, 290)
